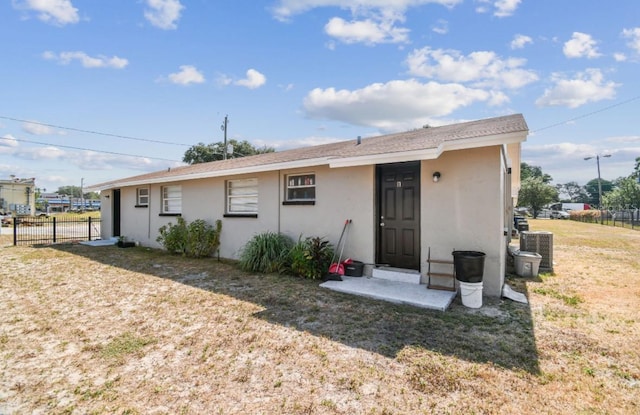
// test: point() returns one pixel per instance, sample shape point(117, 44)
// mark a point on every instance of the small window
point(142, 196)
point(242, 197)
point(301, 187)
point(172, 200)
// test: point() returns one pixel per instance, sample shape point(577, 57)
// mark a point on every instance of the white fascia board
point(219, 173)
point(485, 141)
point(426, 154)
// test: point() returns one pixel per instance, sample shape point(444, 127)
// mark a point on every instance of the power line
point(93, 132)
point(87, 149)
point(579, 117)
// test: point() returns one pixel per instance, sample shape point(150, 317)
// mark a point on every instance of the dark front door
point(399, 215)
point(116, 212)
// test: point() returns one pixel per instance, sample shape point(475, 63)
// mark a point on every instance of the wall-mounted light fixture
point(106, 196)
point(436, 177)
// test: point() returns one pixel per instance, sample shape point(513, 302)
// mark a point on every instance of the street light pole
point(599, 182)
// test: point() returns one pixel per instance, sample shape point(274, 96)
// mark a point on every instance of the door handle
point(381, 223)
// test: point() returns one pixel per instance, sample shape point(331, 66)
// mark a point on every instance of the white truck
point(569, 206)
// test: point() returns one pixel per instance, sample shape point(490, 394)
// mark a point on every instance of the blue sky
point(104, 89)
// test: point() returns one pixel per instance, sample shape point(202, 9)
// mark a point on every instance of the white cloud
point(188, 75)
point(619, 57)
point(163, 13)
point(520, 41)
point(36, 128)
point(7, 143)
point(634, 36)
point(581, 45)
point(392, 106)
point(285, 9)
point(624, 139)
point(100, 61)
point(482, 68)
point(441, 27)
point(57, 12)
point(366, 31)
point(40, 153)
point(253, 80)
point(505, 8)
point(372, 22)
point(585, 87)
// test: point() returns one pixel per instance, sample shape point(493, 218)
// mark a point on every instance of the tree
point(74, 191)
point(626, 194)
point(527, 171)
point(592, 190)
point(574, 191)
point(203, 153)
point(535, 194)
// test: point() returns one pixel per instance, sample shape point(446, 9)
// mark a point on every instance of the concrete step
point(397, 274)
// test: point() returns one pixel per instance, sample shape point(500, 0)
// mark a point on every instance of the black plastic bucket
point(468, 265)
point(353, 269)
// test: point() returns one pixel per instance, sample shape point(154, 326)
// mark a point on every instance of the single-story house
point(428, 191)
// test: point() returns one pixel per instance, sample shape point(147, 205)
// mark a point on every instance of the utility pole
point(82, 194)
point(223, 127)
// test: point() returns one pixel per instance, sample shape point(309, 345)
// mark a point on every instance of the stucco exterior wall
point(464, 210)
point(340, 195)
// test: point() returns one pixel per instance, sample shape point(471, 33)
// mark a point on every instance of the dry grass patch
point(105, 330)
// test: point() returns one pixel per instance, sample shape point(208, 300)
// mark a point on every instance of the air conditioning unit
point(540, 242)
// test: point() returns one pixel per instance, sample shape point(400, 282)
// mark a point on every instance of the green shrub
point(266, 252)
point(197, 239)
point(310, 258)
point(203, 239)
point(174, 237)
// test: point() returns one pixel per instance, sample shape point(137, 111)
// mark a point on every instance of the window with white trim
point(301, 187)
point(142, 196)
point(172, 199)
point(242, 197)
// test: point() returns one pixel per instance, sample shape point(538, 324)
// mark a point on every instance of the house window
point(171, 200)
point(242, 197)
point(142, 197)
point(301, 187)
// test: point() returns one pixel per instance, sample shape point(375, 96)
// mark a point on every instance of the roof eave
point(430, 153)
point(216, 173)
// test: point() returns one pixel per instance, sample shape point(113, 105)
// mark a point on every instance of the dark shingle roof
point(420, 139)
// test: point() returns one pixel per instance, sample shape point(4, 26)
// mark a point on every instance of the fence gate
point(37, 231)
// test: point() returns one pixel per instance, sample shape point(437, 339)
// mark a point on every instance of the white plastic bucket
point(527, 263)
point(471, 294)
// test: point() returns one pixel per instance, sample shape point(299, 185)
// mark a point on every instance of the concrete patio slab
point(393, 291)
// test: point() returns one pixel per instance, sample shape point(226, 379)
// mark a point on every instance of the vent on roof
point(359, 140)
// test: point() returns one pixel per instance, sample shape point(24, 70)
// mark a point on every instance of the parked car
point(559, 214)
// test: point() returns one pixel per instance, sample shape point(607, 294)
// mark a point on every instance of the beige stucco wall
point(464, 210)
point(340, 195)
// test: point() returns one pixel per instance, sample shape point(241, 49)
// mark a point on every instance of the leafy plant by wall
point(266, 252)
point(197, 239)
point(311, 257)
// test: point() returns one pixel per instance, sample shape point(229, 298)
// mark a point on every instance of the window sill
point(240, 215)
point(170, 214)
point(299, 203)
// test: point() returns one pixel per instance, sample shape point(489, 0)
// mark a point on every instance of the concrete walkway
point(393, 291)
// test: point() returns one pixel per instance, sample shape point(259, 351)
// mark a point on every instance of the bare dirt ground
point(104, 330)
